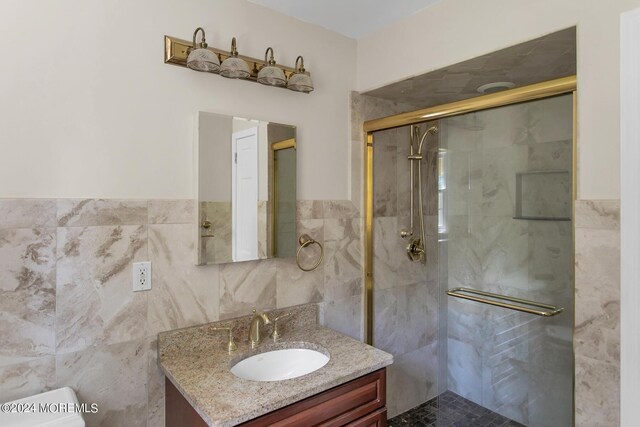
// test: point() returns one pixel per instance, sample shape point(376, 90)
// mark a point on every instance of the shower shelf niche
point(543, 195)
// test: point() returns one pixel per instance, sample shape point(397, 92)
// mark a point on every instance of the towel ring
point(305, 241)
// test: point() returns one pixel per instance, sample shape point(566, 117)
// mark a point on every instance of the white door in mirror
point(141, 276)
point(280, 365)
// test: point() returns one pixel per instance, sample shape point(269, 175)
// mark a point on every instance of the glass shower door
point(504, 217)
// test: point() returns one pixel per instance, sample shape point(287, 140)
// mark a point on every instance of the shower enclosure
point(481, 325)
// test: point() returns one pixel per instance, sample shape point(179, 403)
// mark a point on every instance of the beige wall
point(89, 109)
point(456, 30)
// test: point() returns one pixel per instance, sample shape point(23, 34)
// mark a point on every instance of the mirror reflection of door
point(245, 194)
point(284, 198)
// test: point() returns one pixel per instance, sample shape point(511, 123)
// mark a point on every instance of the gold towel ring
point(305, 241)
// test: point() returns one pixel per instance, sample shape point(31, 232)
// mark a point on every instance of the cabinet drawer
point(377, 419)
point(338, 406)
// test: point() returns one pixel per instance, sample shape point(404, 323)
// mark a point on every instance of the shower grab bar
point(548, 309)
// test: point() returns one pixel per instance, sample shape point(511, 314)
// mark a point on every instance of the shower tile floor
point(454, 411)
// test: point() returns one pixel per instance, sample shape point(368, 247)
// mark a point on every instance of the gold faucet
point(258, 321)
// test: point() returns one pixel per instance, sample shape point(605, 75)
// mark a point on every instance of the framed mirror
point(246, 189)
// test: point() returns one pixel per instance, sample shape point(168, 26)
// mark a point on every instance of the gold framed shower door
point(532, 92)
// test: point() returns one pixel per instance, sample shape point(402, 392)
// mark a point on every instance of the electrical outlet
point(141, 276)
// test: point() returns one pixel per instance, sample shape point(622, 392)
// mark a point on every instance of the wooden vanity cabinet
point(358, 403)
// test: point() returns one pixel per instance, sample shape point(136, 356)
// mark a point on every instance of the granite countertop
point(197, 362)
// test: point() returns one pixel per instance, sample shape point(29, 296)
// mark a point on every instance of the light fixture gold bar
point(500, 99)
point(176, 52)
point(512, 303)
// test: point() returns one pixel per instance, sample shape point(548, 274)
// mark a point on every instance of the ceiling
point(545, 58)
point(352, 18)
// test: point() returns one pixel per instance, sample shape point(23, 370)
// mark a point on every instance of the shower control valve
point(406, 233)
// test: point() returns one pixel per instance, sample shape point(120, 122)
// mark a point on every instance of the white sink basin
point(278, 365)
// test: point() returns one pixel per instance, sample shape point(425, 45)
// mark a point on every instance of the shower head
point(432, 130)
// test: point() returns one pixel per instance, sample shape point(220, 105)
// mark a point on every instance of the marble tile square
point(550, 260)
point(411, 380)
point(94, 301)
point(385, 188)
point(245, 285)
point(365, 108)
point(343, 258)
point(465, 370)
point(464, 172)
point(386, 252)
point(344, 316)
point(27, 293)
point(597, 297)
point(546, 195)
point(340, 209)
point(503, 127)
point(597, 393)
point(172, 211)
point(114, 377)
point(27, 213)
point(406, 318)
point(295, 287)
point(500, 166)
point(550, 119)
point(309, 209)
point(91, 212)
point(27, 378)
point(602, 214)
point(503, 244)
point(556, 155)
point(183, 294)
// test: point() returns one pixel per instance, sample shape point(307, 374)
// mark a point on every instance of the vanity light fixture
point(271, 75)
point(234, 67)
point(300, 81)
point(200, 58)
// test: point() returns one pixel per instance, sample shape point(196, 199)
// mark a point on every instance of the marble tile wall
point(71, 319)
point(597, 324)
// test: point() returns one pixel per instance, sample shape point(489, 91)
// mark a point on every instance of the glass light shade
point(272, 76)
point(300, 83)
point(235, 68)
point(203, 60)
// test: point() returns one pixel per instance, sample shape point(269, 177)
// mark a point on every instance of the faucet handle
point(276, 334)
point(231, 345)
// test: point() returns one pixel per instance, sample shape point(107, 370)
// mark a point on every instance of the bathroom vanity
point(201, 390)
point(360, 403)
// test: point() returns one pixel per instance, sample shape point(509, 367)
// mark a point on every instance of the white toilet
point(56, 406)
